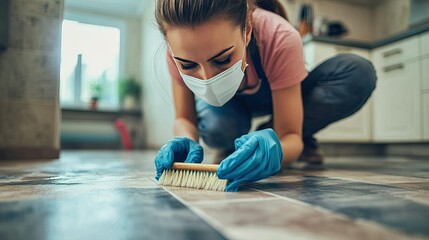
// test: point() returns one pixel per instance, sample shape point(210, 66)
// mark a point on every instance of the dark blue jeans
point(334, 90)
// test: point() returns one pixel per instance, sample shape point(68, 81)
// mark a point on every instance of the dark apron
point(259, 103)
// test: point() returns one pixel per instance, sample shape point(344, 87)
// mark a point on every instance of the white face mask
point(219, 89)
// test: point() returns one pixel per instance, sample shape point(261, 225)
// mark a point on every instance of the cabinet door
point(356, 128)
point(310, 56)
point(426, 117)
point(424, 65)
point(397, 103)
point(424, 43)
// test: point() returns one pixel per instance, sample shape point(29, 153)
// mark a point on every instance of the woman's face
point(208, 49)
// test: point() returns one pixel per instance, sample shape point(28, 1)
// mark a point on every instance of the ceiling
point(131, 8)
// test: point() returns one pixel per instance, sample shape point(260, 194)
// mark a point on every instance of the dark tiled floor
point(111, 195)
point(357, 200)
point(125, 213)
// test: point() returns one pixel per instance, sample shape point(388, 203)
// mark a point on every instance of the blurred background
point(81, 74)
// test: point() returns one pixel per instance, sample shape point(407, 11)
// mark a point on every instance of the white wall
point(391, 17)
point(356, 17)
point(157, 105)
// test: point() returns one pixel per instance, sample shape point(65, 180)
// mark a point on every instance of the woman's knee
point(359, 83)
point(355, 80)
point(219, 127)
point(344, 91)
point(361, 76)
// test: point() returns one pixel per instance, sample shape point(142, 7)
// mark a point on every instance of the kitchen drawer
point(400, 52)
point(424, 66)
point(424, 43)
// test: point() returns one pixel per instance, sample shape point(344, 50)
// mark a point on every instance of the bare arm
point(288, 118)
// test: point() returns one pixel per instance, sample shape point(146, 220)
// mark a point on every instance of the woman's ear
point(249, 28)
point(248, 35)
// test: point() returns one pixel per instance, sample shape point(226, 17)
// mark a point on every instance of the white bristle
point(192, 179)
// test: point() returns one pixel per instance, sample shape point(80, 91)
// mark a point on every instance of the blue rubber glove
point(179, 149)
point(257, 155)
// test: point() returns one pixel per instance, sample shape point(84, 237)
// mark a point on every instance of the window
point(90, 64)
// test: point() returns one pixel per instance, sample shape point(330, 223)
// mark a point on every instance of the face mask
point(219, 89)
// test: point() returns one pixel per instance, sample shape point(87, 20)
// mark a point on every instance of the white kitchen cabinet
point(398, 111)
point(401, 105)
point(356, 128)
point(397, 102)
point(424, 65)
point(424, 43)
point(426, 116)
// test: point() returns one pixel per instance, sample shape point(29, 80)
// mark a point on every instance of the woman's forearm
point(292, 147)
point(185, 128)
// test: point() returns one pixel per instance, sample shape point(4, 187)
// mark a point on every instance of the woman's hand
point(179, 149)
point(257, 155)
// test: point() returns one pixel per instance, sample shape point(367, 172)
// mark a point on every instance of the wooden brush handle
point(195, 166)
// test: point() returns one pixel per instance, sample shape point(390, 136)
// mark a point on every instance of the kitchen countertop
point(364, 44)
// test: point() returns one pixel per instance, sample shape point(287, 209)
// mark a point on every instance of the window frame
point(107, 21)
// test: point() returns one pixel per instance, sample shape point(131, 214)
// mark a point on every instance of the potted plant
point(129, 93)
point(95, 91)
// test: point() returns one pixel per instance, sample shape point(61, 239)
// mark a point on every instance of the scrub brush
point(193, 175)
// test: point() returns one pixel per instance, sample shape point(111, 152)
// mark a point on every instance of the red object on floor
point(125, 137)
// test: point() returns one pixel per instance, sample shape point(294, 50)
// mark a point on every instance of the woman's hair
point(192, 13)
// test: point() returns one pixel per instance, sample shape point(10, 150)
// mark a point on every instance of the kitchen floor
point(112, 195)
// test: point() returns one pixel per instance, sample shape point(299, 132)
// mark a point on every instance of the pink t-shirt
point(280, 48)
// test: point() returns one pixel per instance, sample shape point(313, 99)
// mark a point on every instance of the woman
point(231, 60)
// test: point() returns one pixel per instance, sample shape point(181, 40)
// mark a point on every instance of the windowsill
point(76, 113)
point(86, 110)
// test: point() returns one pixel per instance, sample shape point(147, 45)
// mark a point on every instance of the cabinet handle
point(393, 67)
point(392, 52)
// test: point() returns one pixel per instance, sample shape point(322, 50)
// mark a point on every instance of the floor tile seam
point(207, 202)
point(375, 173)
point(217, 225)
point(373, 183)
point(221, 201)
point(378, 174)
point(360, 221)
point(350, 179)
